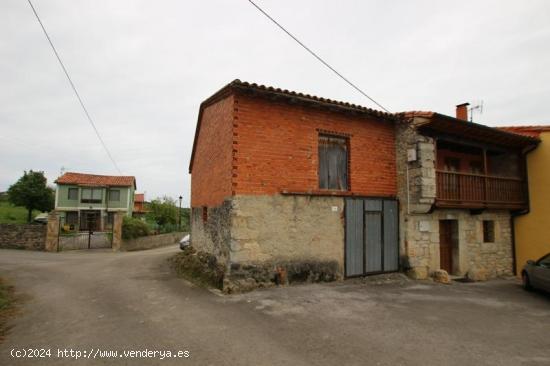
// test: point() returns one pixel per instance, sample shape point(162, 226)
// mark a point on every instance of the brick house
point(270, 173)
point(282, 177)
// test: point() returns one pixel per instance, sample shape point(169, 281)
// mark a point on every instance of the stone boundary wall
point(22, 236)
point(152, 241)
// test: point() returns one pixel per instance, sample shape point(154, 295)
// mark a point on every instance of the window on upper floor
point(476, 167)
point(452, 164)
point(488, 231)
point(114, 195)
point(73, 194)
point(333, 162)
point(92, 195)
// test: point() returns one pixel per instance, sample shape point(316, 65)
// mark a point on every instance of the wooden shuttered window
point(333, 162)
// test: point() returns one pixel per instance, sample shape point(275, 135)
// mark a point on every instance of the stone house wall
point(211, 230)
point(473, 255)
point(22, 236)
point(283, 228)
point(419, 220)
point(254, 230)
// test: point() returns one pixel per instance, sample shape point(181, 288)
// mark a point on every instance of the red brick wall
point(211, 174)
point(276, 148)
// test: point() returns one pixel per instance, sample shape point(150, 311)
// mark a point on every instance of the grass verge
point(10, 214)
point(7, 307)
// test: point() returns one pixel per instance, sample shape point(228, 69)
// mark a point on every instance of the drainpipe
point(522, 212)
point(106, 207)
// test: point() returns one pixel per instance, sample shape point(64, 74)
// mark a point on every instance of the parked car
point(185, 241)
point(537, 274)
point(41, 218)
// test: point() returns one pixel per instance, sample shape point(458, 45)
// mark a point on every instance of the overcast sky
point(143, 67)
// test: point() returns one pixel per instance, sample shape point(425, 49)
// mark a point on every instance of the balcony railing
point(477, 191)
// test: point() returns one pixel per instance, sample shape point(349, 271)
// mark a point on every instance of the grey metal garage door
point(371, 236)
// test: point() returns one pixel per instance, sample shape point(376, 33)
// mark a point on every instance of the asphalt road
point(98, 300)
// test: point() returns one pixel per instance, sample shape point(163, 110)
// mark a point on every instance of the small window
point(92, 195)
point(476, 167)
point(488, 231)
point(204, 214)
point(452, 164)
point(73, 193)
point(71, 218)
point(114, 195)
point(333, 162)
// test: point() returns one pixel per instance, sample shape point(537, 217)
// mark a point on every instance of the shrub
point(134, 228)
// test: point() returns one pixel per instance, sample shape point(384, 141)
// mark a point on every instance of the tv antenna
point(476, 106)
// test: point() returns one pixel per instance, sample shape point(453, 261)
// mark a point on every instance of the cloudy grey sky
point(143, 67)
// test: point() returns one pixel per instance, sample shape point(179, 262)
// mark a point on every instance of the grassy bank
point(6, 306)
point(10, 214)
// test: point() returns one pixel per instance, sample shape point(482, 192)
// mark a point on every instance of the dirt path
point(91, 300)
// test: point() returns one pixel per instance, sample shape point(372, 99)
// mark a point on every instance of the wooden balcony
point(477, 191)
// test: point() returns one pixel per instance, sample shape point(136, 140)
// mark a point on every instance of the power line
point(74, 89)
point(316, 56)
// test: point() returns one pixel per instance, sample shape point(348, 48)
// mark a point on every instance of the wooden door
point(446, 245)
point(89, 220)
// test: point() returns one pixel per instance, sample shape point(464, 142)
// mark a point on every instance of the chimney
point(462, 111)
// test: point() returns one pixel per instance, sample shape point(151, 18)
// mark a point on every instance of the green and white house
point(89, 202)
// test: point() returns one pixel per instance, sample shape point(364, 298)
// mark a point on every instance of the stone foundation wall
point(255, 230)
point(472, 255)
point(213, 235)
point(282, 228)
point(25, 236)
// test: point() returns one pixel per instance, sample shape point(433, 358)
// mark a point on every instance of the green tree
point(31, 191)
point(163, 211)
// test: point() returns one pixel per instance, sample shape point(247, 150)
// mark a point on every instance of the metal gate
point(372, 244)
point(87, 235)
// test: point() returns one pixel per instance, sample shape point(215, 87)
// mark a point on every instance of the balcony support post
point(486, 197)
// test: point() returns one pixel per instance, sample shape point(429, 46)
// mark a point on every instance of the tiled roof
point(443, 124)
point(533, 131)
point(139, 197)
point(283, 94)
point(243, 85)
point(96, 180)
point(411, 114)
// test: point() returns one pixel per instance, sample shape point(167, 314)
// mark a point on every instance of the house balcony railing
point(456, 189)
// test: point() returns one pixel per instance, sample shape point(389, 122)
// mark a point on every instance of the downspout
point(521, 212)
point(107, 206)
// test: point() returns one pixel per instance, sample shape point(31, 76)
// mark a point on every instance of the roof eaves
point(244, 86)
